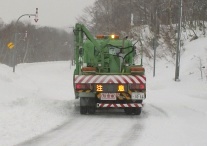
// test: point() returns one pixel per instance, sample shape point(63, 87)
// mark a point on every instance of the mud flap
point(84, 101)
point(87, 105)
point(87, 101)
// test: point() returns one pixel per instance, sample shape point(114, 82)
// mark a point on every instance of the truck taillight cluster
point(137, 86)
point(88, 69)
point(137, 70)
point(83, 86)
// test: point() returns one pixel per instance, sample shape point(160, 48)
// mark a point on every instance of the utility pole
point(177, 68)
point(155, 42)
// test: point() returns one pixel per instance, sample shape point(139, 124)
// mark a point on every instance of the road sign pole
point(15, 36)
point(154, 47)
point(14, 52)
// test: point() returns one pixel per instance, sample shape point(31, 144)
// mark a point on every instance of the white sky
point(56, 13)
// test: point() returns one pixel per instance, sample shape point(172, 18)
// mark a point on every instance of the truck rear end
point(111, 91)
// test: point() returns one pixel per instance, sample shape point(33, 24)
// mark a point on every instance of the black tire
point(128, 111)
point(137, 111)
point(91, 106)
point(83, 110)
point(91, 110)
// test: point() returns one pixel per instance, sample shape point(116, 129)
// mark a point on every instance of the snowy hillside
point(38, 99)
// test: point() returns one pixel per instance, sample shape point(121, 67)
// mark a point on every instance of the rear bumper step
point(115, 105)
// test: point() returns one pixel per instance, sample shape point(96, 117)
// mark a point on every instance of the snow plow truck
point(105, 75)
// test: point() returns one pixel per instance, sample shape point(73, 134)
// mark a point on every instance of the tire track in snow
point(133, 134)
point(104, 128)
point(41, 138)
point(160, 110)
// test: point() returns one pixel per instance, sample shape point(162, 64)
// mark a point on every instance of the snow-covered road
point(104, 128)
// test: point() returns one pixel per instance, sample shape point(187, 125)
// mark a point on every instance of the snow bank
point(36, 98)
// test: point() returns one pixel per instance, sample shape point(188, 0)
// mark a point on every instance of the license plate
point(108, 96)
point(137, 96)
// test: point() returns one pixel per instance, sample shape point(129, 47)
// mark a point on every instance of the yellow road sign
point(10, 45)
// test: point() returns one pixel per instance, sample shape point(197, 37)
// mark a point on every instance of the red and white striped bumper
point(114, 105)
point(124, 79)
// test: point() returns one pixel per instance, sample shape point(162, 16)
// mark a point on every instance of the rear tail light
point(137, 70)
point(100, 36)
point(88, 69)
point(83, 86)
point(137, 86)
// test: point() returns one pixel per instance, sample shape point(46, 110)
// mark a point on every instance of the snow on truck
point(105, 75)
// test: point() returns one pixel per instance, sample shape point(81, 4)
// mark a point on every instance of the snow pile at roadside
point(34, 99)
point(194, 60)
point(177, 111)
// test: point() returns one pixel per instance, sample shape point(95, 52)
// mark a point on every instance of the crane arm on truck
point(79, 32)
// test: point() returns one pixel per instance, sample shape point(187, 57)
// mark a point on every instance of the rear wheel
point(91, 109)
point(83, 106)
point(83, 110)
point(128, 111)
point(91, 106)
point(87, 105)
point(137, 111)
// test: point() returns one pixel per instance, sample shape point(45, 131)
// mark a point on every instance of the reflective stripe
point(105, 105)
point(123, 79)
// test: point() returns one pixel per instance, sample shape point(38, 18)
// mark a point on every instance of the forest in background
point(108, 16)
point(37, 44)
point(34, 44)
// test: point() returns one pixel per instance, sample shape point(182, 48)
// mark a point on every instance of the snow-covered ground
point(33, 100)
point(37, 102)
